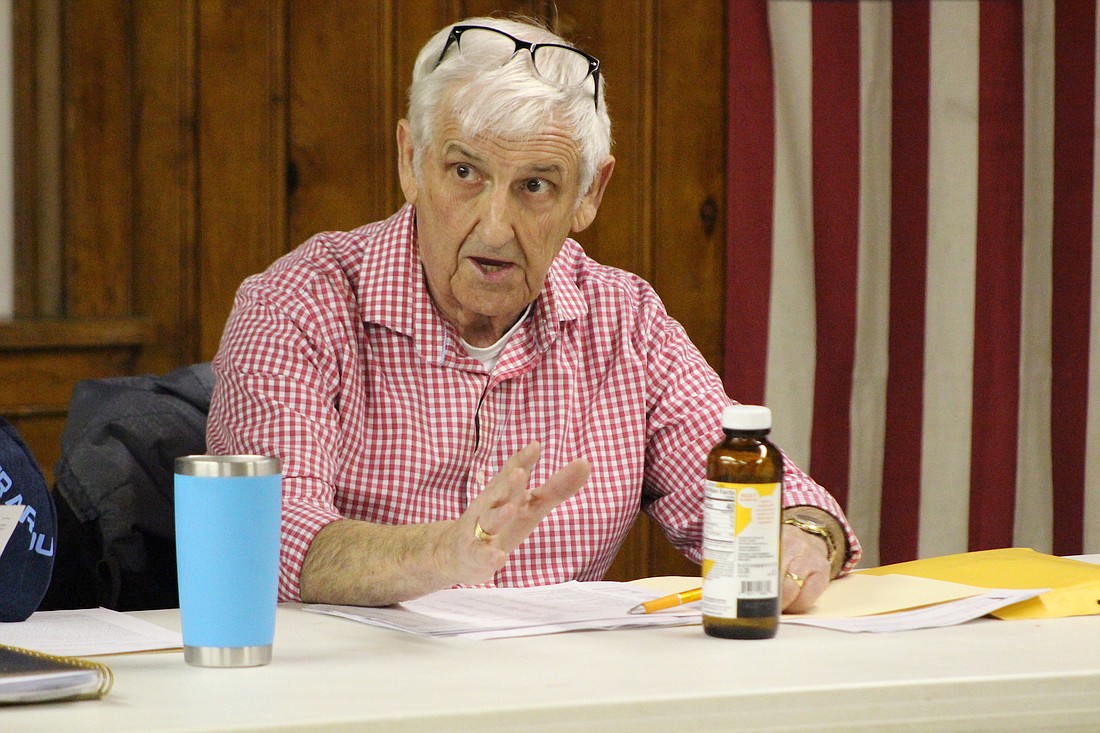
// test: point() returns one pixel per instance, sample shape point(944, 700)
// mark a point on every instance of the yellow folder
point(1074, 585)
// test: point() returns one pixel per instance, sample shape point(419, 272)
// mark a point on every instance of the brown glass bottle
point(741, 523)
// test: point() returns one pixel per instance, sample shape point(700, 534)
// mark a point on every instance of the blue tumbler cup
point(227, 554)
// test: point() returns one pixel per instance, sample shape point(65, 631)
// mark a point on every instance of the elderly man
point(458, 394)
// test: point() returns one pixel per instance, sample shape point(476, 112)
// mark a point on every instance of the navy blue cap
point(26, 563)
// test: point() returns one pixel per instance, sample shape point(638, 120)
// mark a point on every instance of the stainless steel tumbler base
point(227, 656)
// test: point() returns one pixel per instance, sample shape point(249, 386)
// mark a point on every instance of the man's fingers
point(506, 486)
point(526, 457)
point(510, 485)
point(515, 512)
point(494, 521)
point(540, 501)
point(513, 476)
point(799, 598)
point(567, 481)
point(804, 556)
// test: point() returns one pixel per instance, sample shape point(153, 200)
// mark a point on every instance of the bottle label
point(740, 545)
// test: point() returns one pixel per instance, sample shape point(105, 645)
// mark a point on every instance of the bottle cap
point(746, 417)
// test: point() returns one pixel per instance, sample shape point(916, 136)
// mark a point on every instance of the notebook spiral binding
point(106, 676)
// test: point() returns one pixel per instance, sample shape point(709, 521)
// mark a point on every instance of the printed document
point(88, 632)
point(9, 518)
point(490, 613)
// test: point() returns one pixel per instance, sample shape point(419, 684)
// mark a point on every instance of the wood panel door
point(168, 150)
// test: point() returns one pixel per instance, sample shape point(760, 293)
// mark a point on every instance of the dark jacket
point(26, 562)
point(114, 487)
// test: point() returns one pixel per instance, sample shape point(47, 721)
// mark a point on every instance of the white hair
point(508, 100)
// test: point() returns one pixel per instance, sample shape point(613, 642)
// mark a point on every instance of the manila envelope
point(1074, 585)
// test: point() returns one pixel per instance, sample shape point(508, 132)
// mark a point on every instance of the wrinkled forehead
point(547, 146)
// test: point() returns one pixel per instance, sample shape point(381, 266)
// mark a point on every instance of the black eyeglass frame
point(454, 37)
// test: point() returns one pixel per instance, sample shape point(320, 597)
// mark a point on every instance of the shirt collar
point(561, 300)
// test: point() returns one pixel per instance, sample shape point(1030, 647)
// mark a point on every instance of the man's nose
point(496, 217)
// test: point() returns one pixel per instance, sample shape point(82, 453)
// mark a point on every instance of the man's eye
point(463, 171)
point(535, 185)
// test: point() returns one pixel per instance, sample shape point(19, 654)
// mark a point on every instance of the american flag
point(912, 276)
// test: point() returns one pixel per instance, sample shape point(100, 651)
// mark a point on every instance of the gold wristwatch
point(811, 524)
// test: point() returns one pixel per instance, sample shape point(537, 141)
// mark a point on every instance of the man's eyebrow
point(555, 171)
point(545, 168)
point(462, 150)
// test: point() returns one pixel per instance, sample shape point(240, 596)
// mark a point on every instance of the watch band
point(815, 528)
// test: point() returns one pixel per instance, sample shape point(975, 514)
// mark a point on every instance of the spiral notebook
point(30, 676)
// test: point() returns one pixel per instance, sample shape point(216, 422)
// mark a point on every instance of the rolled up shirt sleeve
point(276, 394)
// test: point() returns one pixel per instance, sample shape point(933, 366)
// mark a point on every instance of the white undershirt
point(488, 355)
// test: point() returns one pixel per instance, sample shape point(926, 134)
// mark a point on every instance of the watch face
point(811, 521)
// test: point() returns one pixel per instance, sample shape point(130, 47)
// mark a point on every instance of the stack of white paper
point(854, 603)
point(88, 632)
point(489, 613)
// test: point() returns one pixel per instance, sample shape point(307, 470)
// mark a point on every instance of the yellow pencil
point(676, 599)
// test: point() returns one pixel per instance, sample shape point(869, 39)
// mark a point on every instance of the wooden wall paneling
point(25, 156)
point(37, 156)
point(48, 205)
point(164, 173)
point(343, 111)
point(540, 9)
point(689, 158)
point(689, 138)
point(74, 124)
point(51, 373)
point(414, 24)
point(96, 181)
point(40, 360)
point(622, 36)
point(242, 151)
point(51, 368)
point(41, 431)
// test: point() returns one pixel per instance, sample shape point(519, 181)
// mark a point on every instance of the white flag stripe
point(868, 413)
point(1033, 517)
point(791, 348)
point(952, 222)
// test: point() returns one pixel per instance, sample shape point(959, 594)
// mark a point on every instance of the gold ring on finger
point(798, 579)
point(484, 536)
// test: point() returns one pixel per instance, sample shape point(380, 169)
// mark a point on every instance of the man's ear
point(405, 169)
point(590, 202)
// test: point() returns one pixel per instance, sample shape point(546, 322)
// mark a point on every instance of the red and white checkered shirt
point(336, 360)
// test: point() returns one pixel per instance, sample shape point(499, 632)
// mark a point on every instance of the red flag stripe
point(836, 149)
point(751, 167)
point(901, 481)
point(998, 275)
point(1074, 140)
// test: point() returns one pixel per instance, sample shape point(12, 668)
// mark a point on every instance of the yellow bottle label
point(740, 545)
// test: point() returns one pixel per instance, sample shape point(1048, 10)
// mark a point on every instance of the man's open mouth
point(491, 265)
